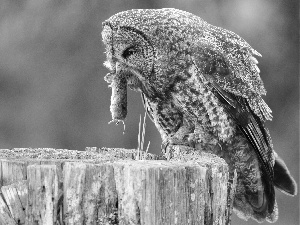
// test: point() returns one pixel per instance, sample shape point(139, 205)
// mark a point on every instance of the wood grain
point(108, 186)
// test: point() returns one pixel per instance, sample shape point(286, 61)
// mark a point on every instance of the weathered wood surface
point(108, 186)
point(15, 196)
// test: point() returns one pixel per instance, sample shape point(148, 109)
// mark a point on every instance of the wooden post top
point(110, 186)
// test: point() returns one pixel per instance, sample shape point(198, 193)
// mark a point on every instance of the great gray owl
point(201, 87)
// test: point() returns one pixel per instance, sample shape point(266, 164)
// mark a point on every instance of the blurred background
point(52, 92)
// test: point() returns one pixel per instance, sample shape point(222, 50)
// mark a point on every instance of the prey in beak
point(120, 77)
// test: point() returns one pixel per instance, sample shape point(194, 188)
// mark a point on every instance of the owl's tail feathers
point(263, 204)
point(257, 206)
point(283, 179)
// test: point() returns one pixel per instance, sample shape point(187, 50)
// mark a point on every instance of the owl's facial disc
point(129, 54)
point(130, 61)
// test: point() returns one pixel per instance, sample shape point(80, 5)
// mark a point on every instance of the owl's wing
point(253, 129)
point(230, 59)
point(237, 85)
point(251, 126)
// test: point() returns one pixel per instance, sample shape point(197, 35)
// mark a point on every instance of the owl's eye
point(129, 51)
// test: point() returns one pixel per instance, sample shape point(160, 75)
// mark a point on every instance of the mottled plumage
point(201, 87)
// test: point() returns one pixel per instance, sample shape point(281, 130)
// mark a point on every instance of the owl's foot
point(172, 151)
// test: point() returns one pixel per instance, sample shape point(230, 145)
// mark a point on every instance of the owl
point(201, 86)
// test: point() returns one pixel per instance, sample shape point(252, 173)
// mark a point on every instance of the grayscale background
point(52, 92)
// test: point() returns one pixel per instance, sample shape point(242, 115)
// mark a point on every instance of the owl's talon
point(172, 151)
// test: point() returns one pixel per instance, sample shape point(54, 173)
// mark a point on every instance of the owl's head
point(129, 54)
point(147, 46)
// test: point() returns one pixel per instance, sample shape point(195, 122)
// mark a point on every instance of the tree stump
point(109, 186)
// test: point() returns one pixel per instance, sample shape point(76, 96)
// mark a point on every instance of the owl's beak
point(114, 71)
point(123, 71)
point(135, 80)
point(119, 68)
